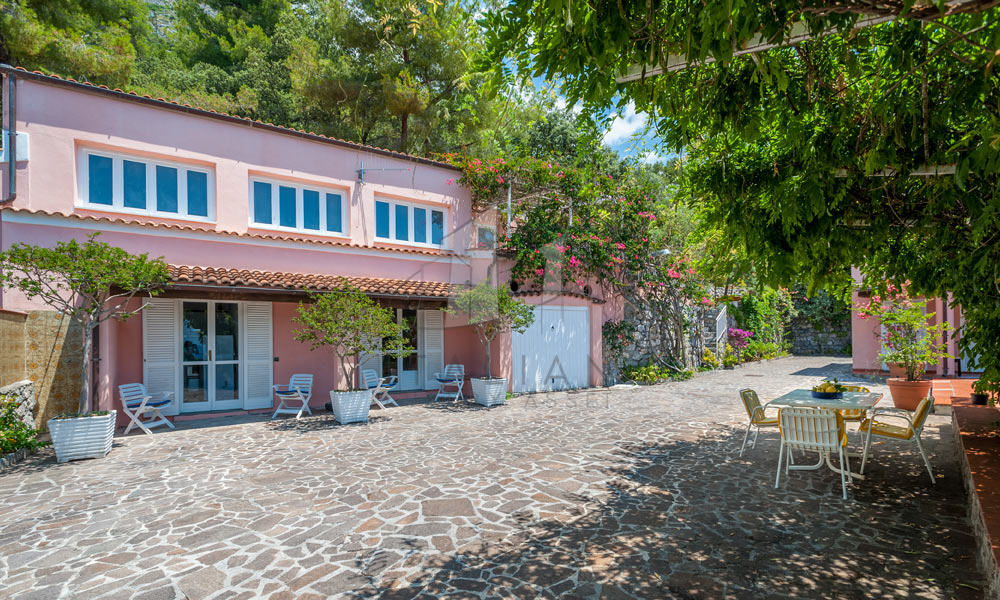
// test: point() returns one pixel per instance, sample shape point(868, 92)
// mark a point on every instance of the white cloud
point(650, 158)
point(562, 105)
point(625, 126)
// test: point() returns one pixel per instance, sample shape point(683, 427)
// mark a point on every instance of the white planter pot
point(489, 392)
point(350, 407)
point(82, 437)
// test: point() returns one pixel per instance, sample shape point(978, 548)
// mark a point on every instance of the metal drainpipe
point(11, 140)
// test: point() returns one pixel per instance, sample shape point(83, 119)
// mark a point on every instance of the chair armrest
point(898, 413)
point(390, 380)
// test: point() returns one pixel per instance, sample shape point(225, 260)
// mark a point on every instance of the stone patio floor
point(622, 493)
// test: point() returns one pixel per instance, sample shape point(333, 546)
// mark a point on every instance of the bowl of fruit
point(828, 390)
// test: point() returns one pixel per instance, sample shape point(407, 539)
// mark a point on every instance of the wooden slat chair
point(379, 387)
point(814, 430)
point(756, 414)
point(915, 426)
point(452, 377)
point(136, 403)
point(298, 392)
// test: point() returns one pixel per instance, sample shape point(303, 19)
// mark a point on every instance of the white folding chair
point(298, 390)
point(379, 387)
point(813, 430)
point(136, 403)
point(453, 377)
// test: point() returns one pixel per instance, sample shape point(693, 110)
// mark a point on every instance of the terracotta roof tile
point(526, 293)
point(170, 104)
point(187, 275)
point(209, 228)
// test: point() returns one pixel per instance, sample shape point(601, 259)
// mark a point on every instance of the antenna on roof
point(361, 171)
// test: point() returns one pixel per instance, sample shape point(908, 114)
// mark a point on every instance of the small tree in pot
point(351, 324)
point(909, 342)
point(491, 311)
point(89, 282)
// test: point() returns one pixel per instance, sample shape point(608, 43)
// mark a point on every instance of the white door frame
point(211, 404)
point(409, 380)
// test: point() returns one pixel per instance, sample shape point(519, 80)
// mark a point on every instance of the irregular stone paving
point(624, 493)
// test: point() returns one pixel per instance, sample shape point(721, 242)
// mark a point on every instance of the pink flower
point(573, 261)
point(499, 179)
point(540, 272)
point(449, 181)
point(673, 274)
point(620, 245)
point(706, 301)
point(690, 271)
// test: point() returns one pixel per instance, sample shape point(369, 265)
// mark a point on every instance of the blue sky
point(627, 133)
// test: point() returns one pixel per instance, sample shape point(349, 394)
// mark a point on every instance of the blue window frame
point(261, 202)
point(402, 222)
point(146, 186)
point(310, 209)
point(134, 182)
point(197, 193)
point(101, 188)
point(166, 189)
point(420, 225)
point(286, 206)
point(381, 219)
point(334, 218)
point(437, 227)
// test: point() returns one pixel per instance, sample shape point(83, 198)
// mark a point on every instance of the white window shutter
point(259, 353)
point(433, 346)
point(160, 351)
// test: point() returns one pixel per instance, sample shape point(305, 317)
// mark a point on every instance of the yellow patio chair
point(756, 414)
point(854, 414)
point(915, 426)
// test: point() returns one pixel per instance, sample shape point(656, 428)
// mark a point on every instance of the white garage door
point(554, 353)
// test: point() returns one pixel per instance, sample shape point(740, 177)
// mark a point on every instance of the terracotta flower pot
point(908, 394)
point(897, 370)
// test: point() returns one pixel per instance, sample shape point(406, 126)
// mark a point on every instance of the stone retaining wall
point(23, 392)
point(807, 339)
point(985, 556)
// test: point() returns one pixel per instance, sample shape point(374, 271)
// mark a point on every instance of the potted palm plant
point(909, 343)
point(89, 282)
point(491, 311)
point(350, 324)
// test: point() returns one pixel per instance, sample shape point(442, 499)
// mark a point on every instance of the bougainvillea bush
point(577, 228)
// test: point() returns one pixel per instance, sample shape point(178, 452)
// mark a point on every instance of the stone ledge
point(978, 442)
point(12, 458)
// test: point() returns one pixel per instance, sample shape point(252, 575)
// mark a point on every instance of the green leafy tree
point(350, 324)
point(93, 40)
point(874, 147)
point(491, 311)
point(89, 282)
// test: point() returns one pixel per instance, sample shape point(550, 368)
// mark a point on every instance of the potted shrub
point(350, 324)
point(90, 283)
point(908, 342)
point(980, 392)
point(491, 311)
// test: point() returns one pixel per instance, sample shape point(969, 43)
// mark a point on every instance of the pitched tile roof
point(209, 228)
point(212, 276)
point(212, 114)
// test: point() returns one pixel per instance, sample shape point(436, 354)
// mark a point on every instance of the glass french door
point(405, 367)
point(210, 356)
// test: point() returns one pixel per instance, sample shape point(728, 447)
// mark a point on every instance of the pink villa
point(250, 217)
point(866, 346)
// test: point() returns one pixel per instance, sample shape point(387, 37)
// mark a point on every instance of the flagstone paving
point(623, 493)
